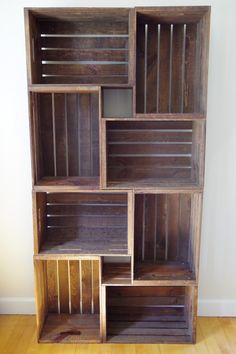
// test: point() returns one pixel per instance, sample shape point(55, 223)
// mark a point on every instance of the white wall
point(218, 257)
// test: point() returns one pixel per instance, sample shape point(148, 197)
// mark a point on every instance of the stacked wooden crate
point(117, 103)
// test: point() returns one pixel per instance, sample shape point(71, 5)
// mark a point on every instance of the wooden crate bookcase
point(117, 102)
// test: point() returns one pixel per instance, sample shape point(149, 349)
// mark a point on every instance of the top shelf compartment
point(79, 46)
point(171, 60)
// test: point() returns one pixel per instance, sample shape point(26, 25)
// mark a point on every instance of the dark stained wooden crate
point(69, 299)
point(82, 223)
point(149, 314)
point(165, 235)
point(82, 46)
point(65, 131)
point(170, 62)
point(153, 153)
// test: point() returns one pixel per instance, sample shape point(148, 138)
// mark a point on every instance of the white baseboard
point(217, 307)
point(17, 305)
point(210, 307)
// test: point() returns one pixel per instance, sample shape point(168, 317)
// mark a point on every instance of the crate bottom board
point(89, 247)
point(74, 328)
point(115, 273)
point(144, 328)
point(163, 271)
point(70, 182)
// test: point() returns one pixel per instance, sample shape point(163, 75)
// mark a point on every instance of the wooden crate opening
point(163, 237)
point(152, 153)
point(170, 66)
point(82, 223)
point(116, 270)
point(149, 315)
point(80, 46)
point(117, 103)
point(68, 301)
point(66, 133)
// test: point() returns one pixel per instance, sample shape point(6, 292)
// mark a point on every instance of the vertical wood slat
point(138, 227)
point(41, 298)
point(95, 285)
point(190, 68)
point(75, 286)
point(132, 46)
point(84, 135)
point(94, 112)
point(103, 316)
point(150, 227)
point(140, 71)
point(164, 68)
point(59, 119)
point(47, 138)
point(184, 226)
point(151, 92)
point(161, 227)
point(63, 286)
point(86, 287)
point(54, 136)
point(72, 127)
point(177, 68)
point(103, 153)
point(130, 223)
point(173, 226)
point(52, 286)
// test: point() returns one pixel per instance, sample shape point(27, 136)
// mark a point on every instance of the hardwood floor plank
point(214, 335)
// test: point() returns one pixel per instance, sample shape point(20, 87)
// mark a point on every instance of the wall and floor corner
point(217, 295)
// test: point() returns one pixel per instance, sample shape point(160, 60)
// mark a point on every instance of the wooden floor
point(214, 336)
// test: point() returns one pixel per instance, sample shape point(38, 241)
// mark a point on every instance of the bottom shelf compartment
point(75, 328)
point(68, 309)
point(150, 315)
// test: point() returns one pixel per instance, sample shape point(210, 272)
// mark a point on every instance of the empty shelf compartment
point(66, 133)
point(170, 62)
point(164, 234)
point(79, 46)
point(116, 270)
point(82, 223)
point(151, 153)
point(68, 304)
point(117, 102)
point(149, 314)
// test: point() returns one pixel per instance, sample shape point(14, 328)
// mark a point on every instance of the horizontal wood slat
point(85, 55)
point(89, 43)
point(140, 151)
point(75, 28)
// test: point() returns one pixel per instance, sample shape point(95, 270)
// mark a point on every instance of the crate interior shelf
point(153, 153)
point(117, 106)
point(85, 223)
